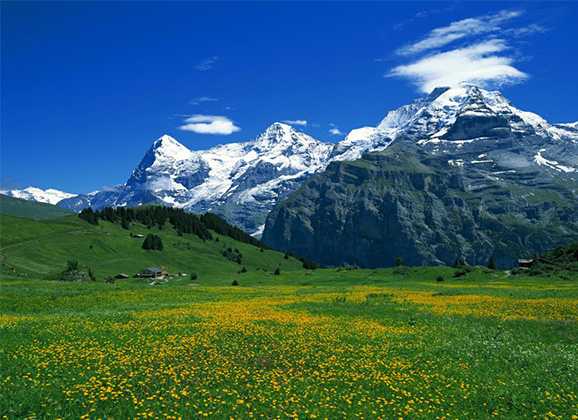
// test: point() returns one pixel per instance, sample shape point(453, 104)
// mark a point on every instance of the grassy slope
point(41, 249)
point(30, 209)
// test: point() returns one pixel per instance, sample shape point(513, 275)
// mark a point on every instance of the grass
point(330, 343)
point(41, 248)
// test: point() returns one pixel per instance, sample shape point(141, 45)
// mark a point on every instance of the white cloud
point(209, 124)
point(207, 63)
point(477, 64)
point(460, 29)
point(477, 50)
point(295, 122)
point(335, 131)
point(199, 100)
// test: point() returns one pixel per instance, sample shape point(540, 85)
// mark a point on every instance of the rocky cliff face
point(409, 203)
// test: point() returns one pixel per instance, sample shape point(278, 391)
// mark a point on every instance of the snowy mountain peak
point(168, 147)
point(282, 135)
point(50, 195)
point(466, 94)
point(278, 126)
point(166, 139)
point(441, 114)
point(448, 118)
point(278, 131)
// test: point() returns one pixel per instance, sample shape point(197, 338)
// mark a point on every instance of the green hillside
point(30, 209)
point(41, 249)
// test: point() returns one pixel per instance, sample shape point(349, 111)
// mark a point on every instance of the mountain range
point(474, 130)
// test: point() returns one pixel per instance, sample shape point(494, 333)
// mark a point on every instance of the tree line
point(159, 216)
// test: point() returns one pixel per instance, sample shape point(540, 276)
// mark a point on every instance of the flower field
point(381, 348)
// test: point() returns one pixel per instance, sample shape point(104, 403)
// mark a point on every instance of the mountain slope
point(41, 249)
point(404, 202)
point(30, 209)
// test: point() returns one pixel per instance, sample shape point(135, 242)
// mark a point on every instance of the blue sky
point(87, 87)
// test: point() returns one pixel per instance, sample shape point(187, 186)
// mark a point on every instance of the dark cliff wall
point(397, 203)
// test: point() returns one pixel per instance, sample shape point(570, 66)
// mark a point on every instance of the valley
point(231, 328)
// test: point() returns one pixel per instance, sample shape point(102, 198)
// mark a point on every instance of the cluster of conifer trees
point(159, 216)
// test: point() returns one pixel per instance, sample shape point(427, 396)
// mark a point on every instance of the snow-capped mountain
point(50, 196)
point(474, 127)
point(240, 180)
point(450, 119)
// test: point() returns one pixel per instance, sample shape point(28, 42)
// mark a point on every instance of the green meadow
point(326, 343)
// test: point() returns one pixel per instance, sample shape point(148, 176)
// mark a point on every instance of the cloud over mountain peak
point(483, 54)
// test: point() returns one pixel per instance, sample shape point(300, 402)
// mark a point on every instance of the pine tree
point(309, 265)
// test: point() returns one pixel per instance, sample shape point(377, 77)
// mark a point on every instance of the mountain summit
point(449, 118)
point(167, 147)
